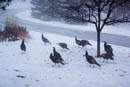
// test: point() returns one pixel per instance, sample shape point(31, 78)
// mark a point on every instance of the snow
point(38, 71)
point(20, 4)
point(122, 29)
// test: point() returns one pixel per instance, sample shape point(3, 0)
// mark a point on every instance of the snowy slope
point(38, 71)
point(20, 4)
point(121, 29)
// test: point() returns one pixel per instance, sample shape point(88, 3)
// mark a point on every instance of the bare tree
point(99, 13)
point(105, 12)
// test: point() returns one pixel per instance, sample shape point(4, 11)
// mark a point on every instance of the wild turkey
point(91, 60)
point(81, 42)
point(23, 46)
point(45, 40)
point(107, 56)
point(107, 47)
point(55, 60)
point(63, 45)
point(57, 55)
point(84, 43)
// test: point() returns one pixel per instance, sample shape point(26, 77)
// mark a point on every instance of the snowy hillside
point(20, 4)
point(25, 14)
point(35, 69)
point(121, 29)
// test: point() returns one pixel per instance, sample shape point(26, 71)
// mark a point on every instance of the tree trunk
point(98, 43)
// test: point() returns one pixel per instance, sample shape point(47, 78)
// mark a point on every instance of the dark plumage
point(44, 39)
point(57, 55)
point(23, 46)
point(107, 47)
point(82, 42)
point(107, 56)
point(55, 60)
point(91, 60)
point(63, 45)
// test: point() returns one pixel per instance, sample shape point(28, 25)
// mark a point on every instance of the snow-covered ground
point(38, 71)
point(19, 4)
point(122, 29)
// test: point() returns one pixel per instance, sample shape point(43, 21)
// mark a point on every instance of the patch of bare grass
point(13, 31)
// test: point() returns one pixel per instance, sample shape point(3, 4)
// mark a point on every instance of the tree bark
point(98, 43)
